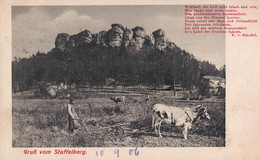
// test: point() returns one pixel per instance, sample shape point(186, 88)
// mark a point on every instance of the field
point(39, 122)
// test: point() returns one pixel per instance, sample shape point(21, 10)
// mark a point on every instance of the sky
point(34, 28)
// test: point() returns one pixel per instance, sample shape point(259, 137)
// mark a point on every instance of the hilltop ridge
point(116, 37)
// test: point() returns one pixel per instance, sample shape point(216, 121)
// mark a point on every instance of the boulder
point(115, 35)
point(61, 40)
point(139, 37)
point(160, 39)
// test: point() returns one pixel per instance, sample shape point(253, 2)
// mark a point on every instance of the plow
point(115, 131)
point(118, 130)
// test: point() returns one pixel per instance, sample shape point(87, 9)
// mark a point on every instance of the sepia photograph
point(115, 76)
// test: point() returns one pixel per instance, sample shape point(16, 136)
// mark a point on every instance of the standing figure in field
point(147, 99)
point(72, 116)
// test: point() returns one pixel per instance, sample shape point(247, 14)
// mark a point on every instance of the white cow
point(177, 116)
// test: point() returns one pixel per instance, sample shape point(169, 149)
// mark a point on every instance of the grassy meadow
point(39, 122)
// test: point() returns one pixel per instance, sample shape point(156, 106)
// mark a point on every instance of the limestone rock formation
point(139, 35)
point(71, 44)
point(95, 38)
point(61, 40)
point(160, 39)
point(115, 35)
point(128, 37)
point(83, 38)
point(100, 38)
point(171, 45)
point(149, 40)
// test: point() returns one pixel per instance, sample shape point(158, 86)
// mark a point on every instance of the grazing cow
point(118, 99)
point(183, 117)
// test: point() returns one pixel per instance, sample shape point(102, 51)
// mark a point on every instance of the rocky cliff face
point(83, 38)
point(100, 38)
point(61, 40)
point(71, 44)
point(171, 45)
point(117, 36)
point(160, 39)
point(128, 37)
point(139, 37)
point(149, 40)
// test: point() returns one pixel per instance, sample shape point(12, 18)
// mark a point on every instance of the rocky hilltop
point(116, 37)
point(130, 57)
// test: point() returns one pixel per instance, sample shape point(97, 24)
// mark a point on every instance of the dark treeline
point(93, 66)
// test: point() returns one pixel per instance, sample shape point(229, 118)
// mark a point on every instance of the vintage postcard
point(113, 80)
